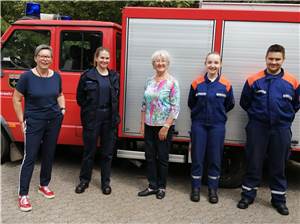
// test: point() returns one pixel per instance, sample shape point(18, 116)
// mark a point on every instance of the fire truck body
point(73, 43)
point(241, 36)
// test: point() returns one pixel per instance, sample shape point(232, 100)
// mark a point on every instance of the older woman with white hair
point(160, 109)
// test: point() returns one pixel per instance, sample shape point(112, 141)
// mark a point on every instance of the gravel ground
point(123, 205)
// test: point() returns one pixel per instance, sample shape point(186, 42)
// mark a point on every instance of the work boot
point(244, 203)
point(212, 196)
point(195, 194)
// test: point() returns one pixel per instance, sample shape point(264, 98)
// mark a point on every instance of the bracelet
point(166, 126)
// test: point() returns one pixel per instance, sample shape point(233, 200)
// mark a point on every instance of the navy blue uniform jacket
point(210, 101)
point(271, 99)
point(88, 97)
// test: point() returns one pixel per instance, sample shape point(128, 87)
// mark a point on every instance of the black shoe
point(213, 196)
point(244, 203)
point(195, 194)
point(81, 187)
point(146, 192)
point(281, 208)
point(106, 190)
point(161, 193)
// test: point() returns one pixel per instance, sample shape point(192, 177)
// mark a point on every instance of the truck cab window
point(18, 50)
point(77, 49)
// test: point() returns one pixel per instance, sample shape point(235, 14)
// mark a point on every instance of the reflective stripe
point(24, 157)
point(196, 177)
point(287, 96)
point(261, 91)
point(221, 95)
point(201, 94)
point(278, 192)
point(214, 178)
point(249, 188)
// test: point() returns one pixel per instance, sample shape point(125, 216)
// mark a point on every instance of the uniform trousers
point(273, 144)
point(39, 135)
point(106, 133)
point(157, 156)
point(207, 146)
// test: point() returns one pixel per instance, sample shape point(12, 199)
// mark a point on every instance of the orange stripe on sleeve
point(255, 77)
point(291, 79)
point(225, 82)
point(197, 81)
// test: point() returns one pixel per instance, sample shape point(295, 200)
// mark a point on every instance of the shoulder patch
point(197, 81)
point(291, 79)
point(225, 82)
point(255, 77)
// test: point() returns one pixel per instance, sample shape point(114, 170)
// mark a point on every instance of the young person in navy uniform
point(41, 121)
point(97, 95)
point(271, 99)
point(210, 98)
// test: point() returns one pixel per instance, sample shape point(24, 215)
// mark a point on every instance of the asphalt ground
point(123, 205)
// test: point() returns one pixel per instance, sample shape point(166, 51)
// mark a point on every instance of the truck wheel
point(4, 147)
point(233, 168)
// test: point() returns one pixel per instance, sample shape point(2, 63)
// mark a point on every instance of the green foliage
point(86, 10)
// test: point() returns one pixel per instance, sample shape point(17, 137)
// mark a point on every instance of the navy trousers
point(157, 156)
point(39, 135)
point(207, 144)
point(106, 133)
point(271, 143)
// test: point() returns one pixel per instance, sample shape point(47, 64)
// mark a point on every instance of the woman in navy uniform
point(210, 98)
point(41, 121)
point(97, 95)
point(271, 98)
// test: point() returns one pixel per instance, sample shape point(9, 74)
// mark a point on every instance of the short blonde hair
point(161, 54)
point(42, 47)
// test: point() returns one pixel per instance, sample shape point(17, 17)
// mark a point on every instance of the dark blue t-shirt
point(104, 93)
point(40, 95)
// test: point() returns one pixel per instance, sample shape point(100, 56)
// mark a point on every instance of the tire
point(4, 147)
point(233, 168)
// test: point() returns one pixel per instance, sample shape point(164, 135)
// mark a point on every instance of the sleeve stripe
point(255, 77)
point(225, 82)
point(197, 81)
point(291, 79)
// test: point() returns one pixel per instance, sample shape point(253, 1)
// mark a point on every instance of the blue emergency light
point(66, 17)
point(33, 9)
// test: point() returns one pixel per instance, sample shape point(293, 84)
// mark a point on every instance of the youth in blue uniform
point(41, 121)
point(271, 99)
point(97, 95)
point(210, 98)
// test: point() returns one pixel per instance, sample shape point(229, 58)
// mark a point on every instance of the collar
point(207, 79)
point(93, 72)
point(271, 76)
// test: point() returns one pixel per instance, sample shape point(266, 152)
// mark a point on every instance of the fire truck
point(241, 35)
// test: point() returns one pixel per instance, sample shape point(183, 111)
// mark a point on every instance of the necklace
point(42, 76)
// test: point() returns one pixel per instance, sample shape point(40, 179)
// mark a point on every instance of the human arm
point(80, 93)
point(246, 97)
point(192, 98)
point(17, 103)
point(296, 101)
point(229, 101)
point(62, 103)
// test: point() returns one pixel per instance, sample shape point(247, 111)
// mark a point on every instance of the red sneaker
point(24, 203)
point(46, 192)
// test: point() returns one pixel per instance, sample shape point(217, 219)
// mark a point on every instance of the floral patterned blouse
point(161, 100)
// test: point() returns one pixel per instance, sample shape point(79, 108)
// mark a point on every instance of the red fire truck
point(241, 36)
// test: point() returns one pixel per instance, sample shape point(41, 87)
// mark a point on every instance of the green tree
point(85, 10)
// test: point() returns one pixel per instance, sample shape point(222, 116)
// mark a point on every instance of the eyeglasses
point(44, 57)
